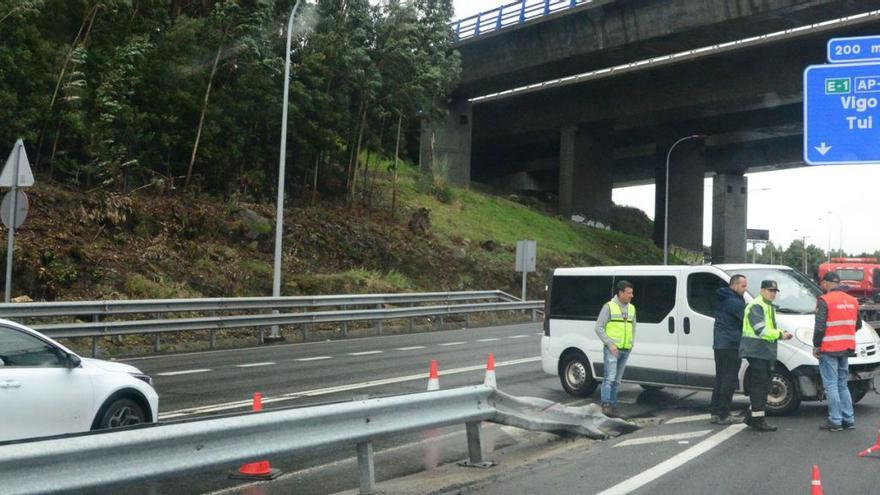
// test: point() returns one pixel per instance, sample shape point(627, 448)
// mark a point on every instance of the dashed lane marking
point(518, 337)
point(688, 419)
point(488, 340)
point(674, 462)
point(411, 348)
point(183, 372)
point(315, 358)
point(452, 343)
point(226, 406)
point(364, 353)
point(254, 365)
point(664, 438)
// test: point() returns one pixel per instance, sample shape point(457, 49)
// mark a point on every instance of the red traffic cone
point(872, 448)
point(816, 483)
point(433, 377)
point(490, 372)
point(260, 470)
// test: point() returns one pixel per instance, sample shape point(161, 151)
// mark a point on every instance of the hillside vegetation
point(94, 245)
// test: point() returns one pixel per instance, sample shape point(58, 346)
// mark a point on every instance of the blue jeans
point(613, 372)
point(835, 373)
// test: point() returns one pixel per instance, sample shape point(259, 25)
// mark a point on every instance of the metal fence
point(342, 309)
point(510, 14)
point(102, 459)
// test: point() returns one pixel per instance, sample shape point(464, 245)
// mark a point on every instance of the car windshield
point(797, 293)
point(851, 274)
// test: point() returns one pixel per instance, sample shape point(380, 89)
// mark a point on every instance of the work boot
point(729, 420)
point(828, 425)
point(848, 426)
point(714, 419)
point(760, 424)
point(607, 410)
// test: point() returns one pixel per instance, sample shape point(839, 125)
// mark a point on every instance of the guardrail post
point(378, 322)
point(546, 7)
point(305, 332)
point(498, 21)
point(442, 322)
point(365, 464)
point(344, 323)
point(573, 3)
point(522, 12)
point(534, 315)
point(96, 319)
point(157, 344)
point(475, 447)
point(458, 30)
point(477, 26)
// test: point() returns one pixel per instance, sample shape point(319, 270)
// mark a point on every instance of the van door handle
point(687, 325)
point(671, 324)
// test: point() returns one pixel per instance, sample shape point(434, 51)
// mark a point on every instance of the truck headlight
point(805, 335)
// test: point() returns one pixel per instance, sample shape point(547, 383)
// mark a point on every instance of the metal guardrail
point(510, 14)
point(119, 307)
point(352, 308)
point(103, 458)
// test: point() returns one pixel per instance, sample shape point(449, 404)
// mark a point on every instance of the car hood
point(109, 365)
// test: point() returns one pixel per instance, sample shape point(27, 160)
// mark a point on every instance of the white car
point(674, 334)
point(46, 389)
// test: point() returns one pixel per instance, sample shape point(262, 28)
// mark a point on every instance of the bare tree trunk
point(349, 171)
point(192, 158)
point(315, 179)
point(357, 152)
point(396, 156)
point(375, 168)
point(54, 149)
point(86, 26)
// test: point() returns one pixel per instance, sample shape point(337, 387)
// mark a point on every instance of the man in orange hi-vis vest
point(834, 340)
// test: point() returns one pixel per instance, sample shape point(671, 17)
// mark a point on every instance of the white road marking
point(488, 340)
point(664, 438)
point(688, 419)
point(518, 337)
point(330, 390)
point(411, 348)
point(364, 353)
point(540, 333)
point(453, 343)
point(674, 462)
point(184, 372)
point(316, 358)
point(254, 365)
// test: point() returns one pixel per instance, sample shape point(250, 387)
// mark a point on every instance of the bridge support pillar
point(729, 213)
point(445, 145)
point(585, 166)
point(687, 167)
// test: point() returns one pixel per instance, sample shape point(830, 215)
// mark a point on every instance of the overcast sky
point(790, 202)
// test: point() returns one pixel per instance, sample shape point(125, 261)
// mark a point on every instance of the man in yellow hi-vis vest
point(616, 327)
point(758, 346)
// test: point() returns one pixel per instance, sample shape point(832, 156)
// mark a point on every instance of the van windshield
point(797, 293)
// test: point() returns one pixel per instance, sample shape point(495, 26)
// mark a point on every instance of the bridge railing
point(509, 14)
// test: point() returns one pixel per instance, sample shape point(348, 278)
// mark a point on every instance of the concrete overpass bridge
point(627, 78)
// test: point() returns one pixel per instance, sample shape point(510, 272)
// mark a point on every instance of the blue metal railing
point(509, 14)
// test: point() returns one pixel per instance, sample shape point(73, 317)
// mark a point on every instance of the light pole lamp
point(666, 197)
point(279, 206)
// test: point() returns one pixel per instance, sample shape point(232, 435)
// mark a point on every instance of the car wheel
point(783, 397)
point(122, 412)
point(652, 388)
point(575, 375)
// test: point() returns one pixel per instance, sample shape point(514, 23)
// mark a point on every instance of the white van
point(674, 335)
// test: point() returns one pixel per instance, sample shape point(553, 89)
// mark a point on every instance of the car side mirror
point(73, 361)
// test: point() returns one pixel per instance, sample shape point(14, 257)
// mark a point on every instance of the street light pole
point(839, 222)
point(279, 207)
point(825, 219)
point(666, 197)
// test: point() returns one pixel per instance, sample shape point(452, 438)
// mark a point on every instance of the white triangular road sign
point(25, 176)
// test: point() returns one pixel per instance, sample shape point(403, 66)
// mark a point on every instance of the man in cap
point(834, 340)
point(758, 346)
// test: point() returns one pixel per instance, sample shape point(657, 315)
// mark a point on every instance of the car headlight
point(144, 378)
point(805, 335)
point(871, 331)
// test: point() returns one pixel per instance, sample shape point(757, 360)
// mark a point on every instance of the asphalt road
point(201, 384)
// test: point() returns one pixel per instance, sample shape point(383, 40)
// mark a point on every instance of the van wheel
point(574, 373)
point(783, 397)
point(858, 390)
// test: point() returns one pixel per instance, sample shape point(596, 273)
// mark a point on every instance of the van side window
point(579, 297)
point(654, 296)
point(701, 289)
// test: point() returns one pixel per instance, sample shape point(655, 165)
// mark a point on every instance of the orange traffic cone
point(490, 372)
point(817, 483)
point(872, 448)
point(260, 470)
point(433, 377)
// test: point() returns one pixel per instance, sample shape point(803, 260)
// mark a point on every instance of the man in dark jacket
point(728, 333)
